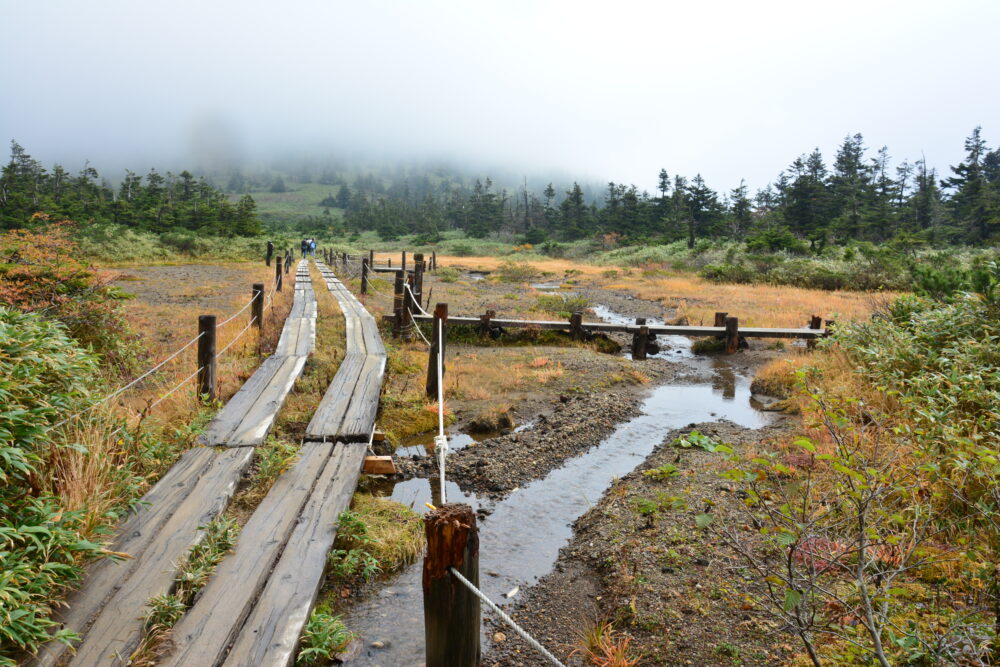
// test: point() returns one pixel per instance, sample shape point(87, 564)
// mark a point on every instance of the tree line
point(859, 196)
point(155, 202)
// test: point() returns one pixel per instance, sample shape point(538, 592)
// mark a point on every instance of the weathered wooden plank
point(253, 428)
point(360, 416)
point(221, 428)
point(104, 577)
point(667, 330)
point(329, 415)
point(205, 632)
point(271, 633)
point(118, 627)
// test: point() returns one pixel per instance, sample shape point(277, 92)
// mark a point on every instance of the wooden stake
point(576, 325)
point(409, 305)
point(418, 277)
point(451, 611)
point(277, 274)
point(434, 261)
point(397, 304)
point(484, 323)
point(640, 339)
point(720, 319)
point(270, 253)
point(815, 322)
point(206, 356)
point(732, 335)
point(257, 309)
point(371, 258)
point(402, 261)
point(364, 275)
point(440, 333)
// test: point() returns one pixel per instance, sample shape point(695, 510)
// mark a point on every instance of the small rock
point(379, 644)
point(499, 637)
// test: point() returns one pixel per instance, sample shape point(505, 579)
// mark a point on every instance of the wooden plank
point(378, 465)
point(360, 416)
point(271, 634)
point(118, 627)
point(329, 415)
point(205, 632)
point(253, 428)
point(104, 577)
point(228, 419)
point(667, 330)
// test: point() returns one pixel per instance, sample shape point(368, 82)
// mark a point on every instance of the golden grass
point(396, 532)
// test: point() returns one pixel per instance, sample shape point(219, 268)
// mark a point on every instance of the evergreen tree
point(972, 199)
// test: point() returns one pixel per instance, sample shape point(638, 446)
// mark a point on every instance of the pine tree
point(972, 199)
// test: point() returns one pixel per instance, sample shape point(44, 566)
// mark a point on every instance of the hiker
point(312, 247)
point(305, 247)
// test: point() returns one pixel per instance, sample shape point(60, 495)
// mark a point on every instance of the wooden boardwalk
point(659, 329)
point(252, 610)
point(347, 411)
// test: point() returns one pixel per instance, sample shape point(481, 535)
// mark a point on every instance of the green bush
point(43, 377)
point(448, 274)
point(516, 272)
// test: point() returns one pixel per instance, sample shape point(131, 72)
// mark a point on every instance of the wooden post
point(343, 260)
point(732, 335)
point(640, 339)
point(257, 309)
point(418, 276)
point(371, 258)
point(829, 326)
point(364, 275)
point(720, 319)
point(451, 611)
point(485, 323)
point(277, 274)
point(397, 303)
point(434, 261)
point(576, 325)
point(270, 253)
point(288, 262)
point(402, 261)
point(815, 322)
point(388, 263)
point(440, 333)
point(206, 356)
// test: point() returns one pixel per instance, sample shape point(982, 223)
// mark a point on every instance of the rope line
point(176, 387)
point(238, 336)
point(234, 315)
point(416, 300)
point(414, 326)
point(506, 619)
point(441, 440)
point(131, 384)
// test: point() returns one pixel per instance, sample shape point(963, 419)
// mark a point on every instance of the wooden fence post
point(257, 309)
point(206, 356)
point(732, 335)
point(451, 611)
point(418, 276)
point(388, 263)
point(434, 261)
point(815, 322)
point(397, 304)
point(277, 273)
point(576, 325)
point(409, 305)
point(288, 262)
point(364, 275)
point(440, 333)
point(639, 339)
point(485, 323)
point(270, 253)
point(371, 258)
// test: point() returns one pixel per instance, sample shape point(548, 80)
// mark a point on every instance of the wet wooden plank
point(360, 416)
point(329, 415)
point(253, 428)
point(205, 632)
point(118, 627)
point(271, 633)
point(104, 577)
point(221, 428)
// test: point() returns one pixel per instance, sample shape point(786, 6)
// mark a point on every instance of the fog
point(598, 91)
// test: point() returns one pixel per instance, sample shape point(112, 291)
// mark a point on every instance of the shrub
point(448, 274)
point(516, 272)
point(43, 376)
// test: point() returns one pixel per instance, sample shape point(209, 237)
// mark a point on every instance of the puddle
point(475, 276)
point(546, 287)
point(417, 445)
point(521, 536)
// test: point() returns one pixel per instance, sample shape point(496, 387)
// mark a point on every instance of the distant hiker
point(305, 247)
point(312, 247)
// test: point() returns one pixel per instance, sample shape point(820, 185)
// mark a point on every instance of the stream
point(511, 556)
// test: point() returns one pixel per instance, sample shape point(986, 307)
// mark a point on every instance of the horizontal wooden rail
point(664, 329)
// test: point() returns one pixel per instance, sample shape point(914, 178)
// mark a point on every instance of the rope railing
point(175, 388)
point(441, 440)
point(237, 337)
point(521, 632)
point(415, 300)
point(235, 315)
point(131, 384)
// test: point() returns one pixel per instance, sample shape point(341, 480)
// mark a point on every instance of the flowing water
point(521, 535)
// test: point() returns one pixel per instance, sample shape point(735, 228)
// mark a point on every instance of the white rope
point(176, 387)
point(441, 440)
point(130, 384)
point(414, 326)
point(234, 315)
point(506, 619)
point(238, 336)
point(416, 300)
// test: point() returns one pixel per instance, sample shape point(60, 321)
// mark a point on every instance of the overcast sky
point(602, 91)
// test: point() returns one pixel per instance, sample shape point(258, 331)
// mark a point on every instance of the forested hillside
point(860, 196)
point(156, 202)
